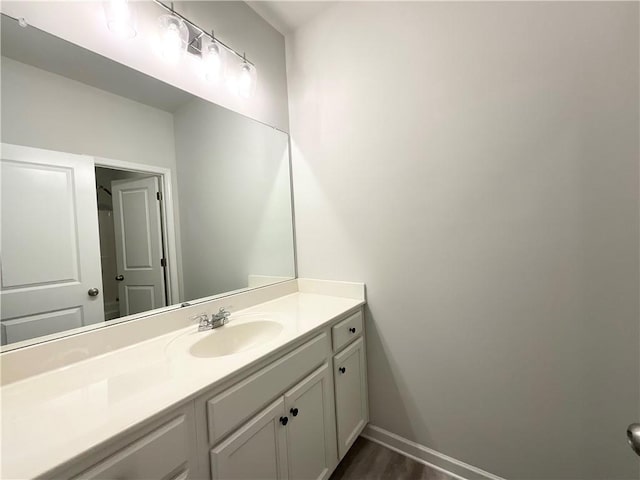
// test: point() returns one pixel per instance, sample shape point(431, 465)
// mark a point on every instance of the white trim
point(427, 456)
point(168, 212)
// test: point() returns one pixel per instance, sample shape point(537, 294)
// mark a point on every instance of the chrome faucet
point(217, 319)
point(221, 318)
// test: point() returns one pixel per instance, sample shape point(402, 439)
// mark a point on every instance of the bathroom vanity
point(278, 392)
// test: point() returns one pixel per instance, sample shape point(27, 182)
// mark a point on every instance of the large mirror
point(121, 194)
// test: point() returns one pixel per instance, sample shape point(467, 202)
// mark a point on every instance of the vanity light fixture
point(241, 78)
point(176, 35)
point(121, 17)
point(213, 58)
point(246, 79)
point(173, 36)
point(216, 57)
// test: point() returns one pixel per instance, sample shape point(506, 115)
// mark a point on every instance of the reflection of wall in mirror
point(233, 176)
point(49, 111)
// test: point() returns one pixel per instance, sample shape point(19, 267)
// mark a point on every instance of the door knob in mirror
point(93, 292)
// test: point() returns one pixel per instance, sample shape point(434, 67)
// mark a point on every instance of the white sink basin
point(232, 338)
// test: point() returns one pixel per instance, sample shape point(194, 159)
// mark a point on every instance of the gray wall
point(235, 200)
point(243, 29)
point(45, 110)
point(476, 164)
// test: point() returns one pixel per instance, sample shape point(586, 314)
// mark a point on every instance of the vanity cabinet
point(294, 437)
point(352, 409)
point(292, 415)
point(229, 408)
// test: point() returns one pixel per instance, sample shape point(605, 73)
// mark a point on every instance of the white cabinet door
point(256, 451)
point(50, 245)
point(311, 434)
point(352, 412)
point(136, 215)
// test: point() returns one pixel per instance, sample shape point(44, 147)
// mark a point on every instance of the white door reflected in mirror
point(140, 258)
point(47, 285)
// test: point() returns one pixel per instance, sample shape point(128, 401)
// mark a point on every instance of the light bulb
point(241, 79)
point(212, 59)
point(173, 36)
point(120, 17)
point(171, 43)
point(246, 80)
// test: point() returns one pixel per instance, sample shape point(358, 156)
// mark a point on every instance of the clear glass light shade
point(245, 80)
point(173, 37)
point(242, 78)
point(213, 59)
point(121, 17)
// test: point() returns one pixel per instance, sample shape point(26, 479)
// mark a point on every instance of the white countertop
point(51, 418)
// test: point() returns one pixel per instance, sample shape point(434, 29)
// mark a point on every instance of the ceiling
point(287, 16)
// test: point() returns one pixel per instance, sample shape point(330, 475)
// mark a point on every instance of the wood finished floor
point(369, 460)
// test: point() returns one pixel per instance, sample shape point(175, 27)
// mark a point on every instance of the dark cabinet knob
point(294, 412)
point(284, 420)
point(352, 329)
point(342, 370)
point(119, 278)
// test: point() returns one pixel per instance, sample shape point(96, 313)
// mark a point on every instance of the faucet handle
point(203, 321)
point(221, 318)
point(201, 317)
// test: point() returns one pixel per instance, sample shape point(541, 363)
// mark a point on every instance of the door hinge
point(163, 262)
point(159, 195)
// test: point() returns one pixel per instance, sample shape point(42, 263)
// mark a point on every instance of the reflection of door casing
point(139, 247)
point(50, 247)
point(167, 217)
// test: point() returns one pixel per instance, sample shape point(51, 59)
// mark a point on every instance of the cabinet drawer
point(155, 455)
point(228, 410)
point(347, 330)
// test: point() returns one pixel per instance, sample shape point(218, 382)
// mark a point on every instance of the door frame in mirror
point(168, 221)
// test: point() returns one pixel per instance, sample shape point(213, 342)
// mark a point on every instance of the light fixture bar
point(202, 31)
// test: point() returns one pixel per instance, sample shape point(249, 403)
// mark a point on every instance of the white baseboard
point(425, 455)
